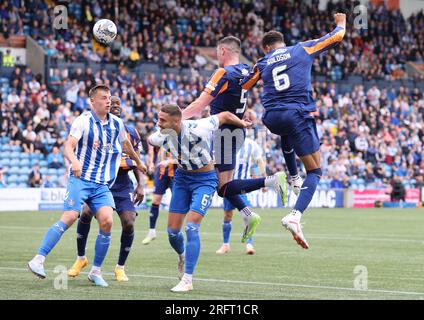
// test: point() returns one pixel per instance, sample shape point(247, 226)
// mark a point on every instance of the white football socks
point(270, 181)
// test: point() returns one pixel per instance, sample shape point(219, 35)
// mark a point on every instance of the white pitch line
point(411, 293)
point(259, 234)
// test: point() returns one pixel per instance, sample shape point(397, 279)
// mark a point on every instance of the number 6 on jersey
point(280, 77)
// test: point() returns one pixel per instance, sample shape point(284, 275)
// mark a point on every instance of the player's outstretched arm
point(340, 20)
point(231, 119)
point(69, 153)
point(195, 108)
point(129, 150)
point(252, 78)
point(330, 40)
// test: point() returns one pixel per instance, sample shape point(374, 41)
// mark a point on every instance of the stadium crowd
point(368, 136)
point(167, 32)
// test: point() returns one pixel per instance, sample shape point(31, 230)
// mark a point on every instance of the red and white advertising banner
point(367, 198)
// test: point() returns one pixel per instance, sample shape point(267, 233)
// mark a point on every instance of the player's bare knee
point(69, 217)
point(86, 211)
point(228, 216)
point(127, 222)
point(106, 225)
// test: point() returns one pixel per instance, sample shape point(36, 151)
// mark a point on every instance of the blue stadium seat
point(32, 162)
point(25, 170)
point(61, 171)
point(23, 178)
point(22, 185)
point(34, 155)
point(44, 170)
point(43, 163)
point(51, 172)
point(12, 179)
point(6, 148)
point(24, 163)
point(12, 185)
point(16, 148)
point(24, 155)
point(13, 170)
point(14, 155)
point(5, 162)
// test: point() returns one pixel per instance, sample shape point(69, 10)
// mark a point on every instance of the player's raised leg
point(292, 221)
point(290, 157)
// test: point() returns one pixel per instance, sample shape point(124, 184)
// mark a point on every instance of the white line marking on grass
point(305, 286)
point(283, 234)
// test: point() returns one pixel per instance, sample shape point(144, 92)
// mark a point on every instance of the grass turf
point(388, 243)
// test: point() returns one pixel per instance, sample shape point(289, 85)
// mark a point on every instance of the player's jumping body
point(195, 181)
point(250, 151)
point(125, 198)
point(287, 99)
point(99, 139)
point(223, 93)
point(164, 176)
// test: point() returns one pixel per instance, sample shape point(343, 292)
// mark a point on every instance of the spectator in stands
point(40, 146)
point(337, 183)
point(29, 136)
point(82, 102)
point(419, 182)
point(2, 179)
point(47, 182)
point(8, 59)
point(35, 178)
point(55, 159)
point(16, 137)
point(398, 191)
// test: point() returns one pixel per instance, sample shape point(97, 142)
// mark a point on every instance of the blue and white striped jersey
point(99, 146)
point(250, 151)
point(193, 146)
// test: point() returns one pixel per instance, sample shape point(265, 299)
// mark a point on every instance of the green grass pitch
point(381, 250)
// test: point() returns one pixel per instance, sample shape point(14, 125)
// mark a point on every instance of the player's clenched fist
point(76, 168)
point(340, 19)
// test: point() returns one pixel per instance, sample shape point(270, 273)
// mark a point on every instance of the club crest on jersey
point(107, 147)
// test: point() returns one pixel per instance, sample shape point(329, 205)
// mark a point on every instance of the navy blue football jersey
point(286, 73)
point(123, 182)
point(225, 87)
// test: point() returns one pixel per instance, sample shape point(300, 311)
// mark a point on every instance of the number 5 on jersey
point(243, 100)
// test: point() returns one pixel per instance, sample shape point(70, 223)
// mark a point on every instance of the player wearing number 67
point(195, 180)
point(287, 99)
point(223, 92)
